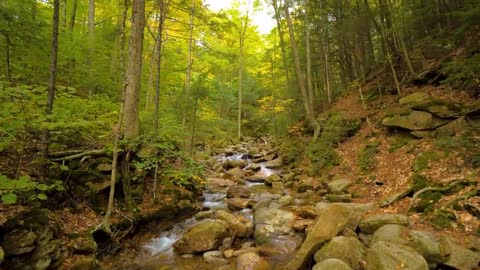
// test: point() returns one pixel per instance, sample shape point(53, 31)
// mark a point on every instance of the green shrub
point(366, 158)
point(26, 189)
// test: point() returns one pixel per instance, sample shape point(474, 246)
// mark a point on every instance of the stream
point(279, 239)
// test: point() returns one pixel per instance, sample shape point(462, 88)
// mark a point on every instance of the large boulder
point(416, 120)
point(274, 164)
point(392, 233)
point(331, 264)
point(252, 261)
point(457, 256)
point(18, 242)
point(239, 191)
point(330, 222)
point(237, 204)
point(272, 178)
point(414, 99)
point(237, 163)
point(339, 186)
point(235, 172)
point(373, 223)
point(240, 227)
point(427, 245)
point(348, 249)
point(423, 102)
point(206, 235)
point(387, 256)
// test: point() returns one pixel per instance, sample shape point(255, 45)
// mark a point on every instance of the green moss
point(292, 150)
point(427, 202)
point(323, 156)
point(366, 158)
point(443, 219)
point(419, 182)
point(422, 160)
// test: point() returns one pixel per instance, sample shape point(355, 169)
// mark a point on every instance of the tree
point(242, 31)
point(52, 81)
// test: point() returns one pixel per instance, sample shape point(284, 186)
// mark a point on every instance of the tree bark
point(91, 43)
point(73, 15)
point(7, 55)
point(309, 58)
point(243, 30)
point(163, 9)
point(52, 81)
point(282, 39)
point(134, 71)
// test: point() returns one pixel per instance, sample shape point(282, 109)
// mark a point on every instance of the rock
point(392, 233)
point(395, 197)
point(274, 164)
point(421, 134)
point(242, 229)
point(331, 264)
point(238, 163)
point(214, 257)
point(244, 250)
point(228, 253)
point(2, 255)
point(285, 200)
point(339, 197)
point(237, 172)
point(339, 186)
point(307, 211)
point(302, 224)
point(252, 261)
point(358, 211)
point(427, 245)
point(330, 222)
point(238, 192)
point(18, 242)
point(147, 151)
point(213, 183)
point(453, 128)
point(206, 235)
point(414, 99)
point(279, 245)
point(372, 223)
point(277, 186)
point(84, 245)
point(272, 178)
point(256, 178)
point(457, 256)
point(416, 120)
point(387, 256)
point(204, 214)
point(348, 249)
point(237, 204)
point(255, 167)
point(86, 263)
point(104, 167)
point(289, 176)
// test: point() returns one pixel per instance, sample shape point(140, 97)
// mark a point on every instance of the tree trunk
point(73, 14)
point(309, 59)
point(299, 74)
point(162, 6)
point(188, 79)
point(282, 39)
point(243, 30)
point(52, 81)
point(134, 71)
point(7, 55)
point(91, 44)
point(192, 141)
point(123, 22)
point(64, 14)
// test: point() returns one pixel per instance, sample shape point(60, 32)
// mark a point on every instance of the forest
point(171, 134)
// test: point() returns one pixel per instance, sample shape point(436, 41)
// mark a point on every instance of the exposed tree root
point(99, 152)
point(440, 189)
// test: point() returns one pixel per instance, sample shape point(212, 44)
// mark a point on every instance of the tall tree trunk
point(7, 55)
point(91, 43)
point(122, 42)
point(162, 6)
point(134, 71)
point(299, 74)
point(188, 78)
point(73, 15)
point(243, 30)
point(51, 83)
point(194, 122)
point(278, 20)
point(309, 59)
point(64, 14)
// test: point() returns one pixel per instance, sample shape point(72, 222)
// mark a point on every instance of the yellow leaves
point(273, 104)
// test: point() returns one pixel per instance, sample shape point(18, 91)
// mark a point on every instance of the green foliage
point(366, 157)
point(419, 182)
point(427, 201)
point(322, 156)
point(463, 73)
point(422, 159)
point(443, 219)
point(292, 150)
point(25, 188)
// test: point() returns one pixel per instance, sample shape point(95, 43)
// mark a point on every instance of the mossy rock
point(416, 120)
point(2, 255)
point(443, 219)
point(422, 160)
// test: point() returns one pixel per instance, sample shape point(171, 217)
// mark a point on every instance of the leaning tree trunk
point(51, 84)
point(132, 91)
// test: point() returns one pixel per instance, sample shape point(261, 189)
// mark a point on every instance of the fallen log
point(99, 152)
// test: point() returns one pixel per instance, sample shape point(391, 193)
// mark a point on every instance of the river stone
point(348, 249)
point(279, 245)
point(240, 227)
point(392, 233)
point(331, 264)
point(85, 263)
point(270, 221)
point(274, 164)
point(358, 211)
point(213, 183)
point(416, 120)
point(255, 167)
point(18, 242)
point(237, 204)
point(206, 235)
point(387, 256)
point(457, 256)
point(303, 224)
point(373, 223)
point(414, 99)
point(339, 186)
point(272, 178)
point(277, 186)
point(252, 261)
point(289, 176)
point(395, 197)
point(84, 245)
point(214, 257)
point(235, 172)
point(427, 244)
point(330, 222)
point(238, 163)
point(285, 200)
point(238, 192)
point(339, 197)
